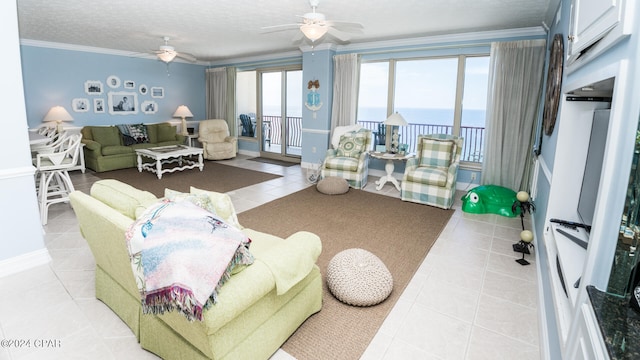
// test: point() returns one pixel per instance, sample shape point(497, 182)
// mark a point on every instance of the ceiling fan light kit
point(314, 32)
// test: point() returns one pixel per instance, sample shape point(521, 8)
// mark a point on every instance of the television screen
point(593, 167)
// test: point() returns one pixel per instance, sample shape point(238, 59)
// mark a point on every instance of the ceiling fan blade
point(298, 37)
point(274, 28)
point(346, 26)
point(186, 56)
point(338, 35)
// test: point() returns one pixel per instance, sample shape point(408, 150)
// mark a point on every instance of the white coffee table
point(180, 154)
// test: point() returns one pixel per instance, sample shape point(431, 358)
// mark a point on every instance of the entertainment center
point(587, 224)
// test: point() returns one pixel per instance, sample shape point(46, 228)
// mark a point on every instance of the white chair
point(351, 164)
point(54, 183)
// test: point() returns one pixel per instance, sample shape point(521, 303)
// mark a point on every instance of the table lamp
point(183, 112)
point(395, 120)
point(57, 114)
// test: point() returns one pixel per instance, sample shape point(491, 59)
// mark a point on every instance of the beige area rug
point(398, 232)
point(214, 177)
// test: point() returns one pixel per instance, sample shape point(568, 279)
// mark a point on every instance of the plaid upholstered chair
point(430, 177)
point(349, 158)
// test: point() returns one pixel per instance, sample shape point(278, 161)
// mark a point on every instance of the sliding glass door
point(280, 107)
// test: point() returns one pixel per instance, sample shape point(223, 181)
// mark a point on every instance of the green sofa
point(105, 147)
point(256, 311)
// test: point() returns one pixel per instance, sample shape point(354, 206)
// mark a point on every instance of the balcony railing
point(272, 127)
point(472, 150)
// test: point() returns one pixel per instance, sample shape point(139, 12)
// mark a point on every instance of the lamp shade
point(396, 120)
point(182, 112)
point(57, 114)
point(314, 32)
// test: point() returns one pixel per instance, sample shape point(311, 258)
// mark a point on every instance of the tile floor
point(468, 300)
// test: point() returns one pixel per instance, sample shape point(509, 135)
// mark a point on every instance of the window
point(429, 94)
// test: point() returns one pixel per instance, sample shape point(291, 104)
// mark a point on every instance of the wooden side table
point(191, 138)
point(388, 167)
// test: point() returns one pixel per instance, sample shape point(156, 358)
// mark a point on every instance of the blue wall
point(55, 77)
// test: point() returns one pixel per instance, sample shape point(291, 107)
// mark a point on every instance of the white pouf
point(333, 185)
point(358, 277)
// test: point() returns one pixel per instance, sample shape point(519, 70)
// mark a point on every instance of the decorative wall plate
point(113, 82)
point(554, 84)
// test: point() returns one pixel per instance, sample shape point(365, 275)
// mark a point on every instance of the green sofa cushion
point(116, 150)
point(166, 133)
point(106, 135)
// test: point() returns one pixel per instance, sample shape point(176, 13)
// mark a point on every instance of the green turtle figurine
point(492, 199)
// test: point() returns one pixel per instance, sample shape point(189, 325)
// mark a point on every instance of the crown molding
point(97, 50)
point(480, 36)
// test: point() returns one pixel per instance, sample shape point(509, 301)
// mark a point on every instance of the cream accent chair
point(430, 177)
point(354, 169)
point(216, 141)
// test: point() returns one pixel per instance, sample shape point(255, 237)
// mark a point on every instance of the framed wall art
point(123, 103)
point(93, 87)
point(143, 89)
point(157, 92)
point(129, 84)
point(80, 105)
point(98, 106)
point(149, 107)
point(113, 82)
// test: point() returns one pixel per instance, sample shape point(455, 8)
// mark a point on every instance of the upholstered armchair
point(430, 177)
point(216, 141)
point(349, 157)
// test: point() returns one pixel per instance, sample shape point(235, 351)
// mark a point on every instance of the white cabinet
point(596, 25)
point(589, 345)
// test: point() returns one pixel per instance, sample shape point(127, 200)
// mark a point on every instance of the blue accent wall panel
point(55, 77)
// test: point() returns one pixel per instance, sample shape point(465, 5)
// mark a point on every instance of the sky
point(427, 83)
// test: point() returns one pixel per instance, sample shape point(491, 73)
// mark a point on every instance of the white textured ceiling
point(214, 30)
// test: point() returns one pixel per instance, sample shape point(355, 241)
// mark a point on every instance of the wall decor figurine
point(313, 102)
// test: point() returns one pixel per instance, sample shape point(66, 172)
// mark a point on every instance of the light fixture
point(57, 114)
point(314, 31)
point(395, 120)
point(183, 112)
point(167, 55)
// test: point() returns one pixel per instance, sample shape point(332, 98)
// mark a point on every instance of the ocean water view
point(425, 116)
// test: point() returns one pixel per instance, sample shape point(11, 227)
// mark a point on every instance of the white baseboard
point(23, 262)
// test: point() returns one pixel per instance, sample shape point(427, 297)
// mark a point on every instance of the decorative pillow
point(138, 132)
point(201, 200)
point(436, 152)
point(128, 140)
point(352, 144)
point(223, 205)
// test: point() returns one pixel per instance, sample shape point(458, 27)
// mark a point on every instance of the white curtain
point(346, 71)
point(515, 85)
point(220, 95)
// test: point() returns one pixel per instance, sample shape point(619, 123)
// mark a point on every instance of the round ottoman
point(333, 185)
point(357, 277)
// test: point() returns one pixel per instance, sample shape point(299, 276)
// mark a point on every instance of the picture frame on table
point(98, 106)
point(157, 92)
point(93, 87)
point(113, 82)
point(149, 107)
point(129, 84)
point(123, 103)
point(80, 105)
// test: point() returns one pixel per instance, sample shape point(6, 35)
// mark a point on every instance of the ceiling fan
point(167, 53)
point(314, 26)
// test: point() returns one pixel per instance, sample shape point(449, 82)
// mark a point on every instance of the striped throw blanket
point(181, 255)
